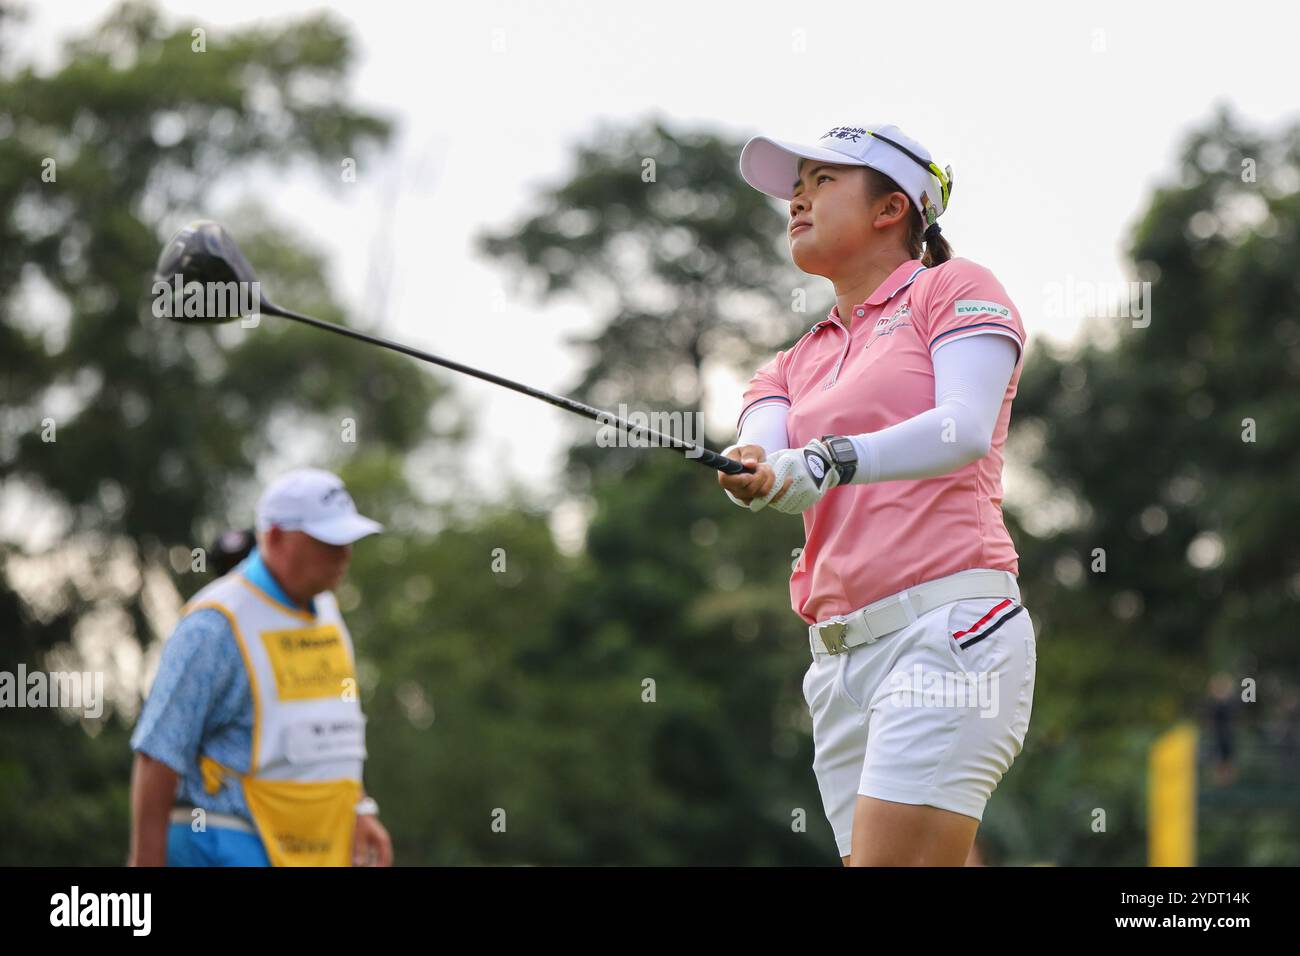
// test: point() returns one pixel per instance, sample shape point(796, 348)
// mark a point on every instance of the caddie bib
point(304, 776)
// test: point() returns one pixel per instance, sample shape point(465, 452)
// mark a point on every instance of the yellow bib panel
point(304, 778)
point(301, 824)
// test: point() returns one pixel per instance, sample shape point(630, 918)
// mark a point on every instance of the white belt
point(869, 624)
point(223, 820)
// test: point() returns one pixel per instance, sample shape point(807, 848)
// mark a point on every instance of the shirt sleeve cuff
point(981, 330)
point(172, 761)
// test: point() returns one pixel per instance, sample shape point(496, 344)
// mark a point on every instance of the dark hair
point(229, 549)
point(937, 249)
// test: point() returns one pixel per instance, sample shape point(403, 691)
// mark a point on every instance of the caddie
point(250, 746)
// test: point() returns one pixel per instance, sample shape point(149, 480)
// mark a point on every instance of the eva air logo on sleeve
point(969, 307)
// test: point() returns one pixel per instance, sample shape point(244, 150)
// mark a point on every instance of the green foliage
point(1153, 421)
point(655, 224)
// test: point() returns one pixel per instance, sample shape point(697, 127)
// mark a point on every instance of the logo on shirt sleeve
point(968, 307)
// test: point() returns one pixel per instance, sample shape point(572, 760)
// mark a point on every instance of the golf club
point(205, 252)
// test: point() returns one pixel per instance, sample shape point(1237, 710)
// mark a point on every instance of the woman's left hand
point(811, 474)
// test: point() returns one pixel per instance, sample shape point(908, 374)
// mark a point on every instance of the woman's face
point(832, 220)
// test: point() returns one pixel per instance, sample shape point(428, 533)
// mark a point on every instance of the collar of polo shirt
point(898, 280)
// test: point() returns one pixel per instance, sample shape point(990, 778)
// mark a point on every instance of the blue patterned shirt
point(201, 702)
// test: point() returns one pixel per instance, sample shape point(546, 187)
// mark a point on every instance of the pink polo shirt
point(865, 542)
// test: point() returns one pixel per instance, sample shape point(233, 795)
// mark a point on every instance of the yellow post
point(1171, 798)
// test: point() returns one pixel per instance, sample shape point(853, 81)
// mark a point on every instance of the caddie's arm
point(371, 846)
point(153, 791)
point(198, 665)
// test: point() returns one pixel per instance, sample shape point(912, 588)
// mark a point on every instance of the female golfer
point(884, 427)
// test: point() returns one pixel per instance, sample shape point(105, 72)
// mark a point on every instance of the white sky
point(1057, 125)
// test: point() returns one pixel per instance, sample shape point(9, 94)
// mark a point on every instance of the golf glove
point(814, 474)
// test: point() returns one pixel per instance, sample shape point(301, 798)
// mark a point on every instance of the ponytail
point(937, 249)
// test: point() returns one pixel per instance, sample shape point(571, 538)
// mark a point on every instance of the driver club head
point(204, 252)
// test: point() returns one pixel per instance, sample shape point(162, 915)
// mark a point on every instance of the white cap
point(771, 165)
point(314, 501)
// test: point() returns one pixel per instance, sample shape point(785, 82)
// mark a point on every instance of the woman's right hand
point(746, 487)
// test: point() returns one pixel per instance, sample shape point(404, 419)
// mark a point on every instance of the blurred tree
point(1175, 446)
point(656, 232)
point(127, 439)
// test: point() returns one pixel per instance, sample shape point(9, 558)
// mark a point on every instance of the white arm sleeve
point(765, 427)
point(970, 382)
